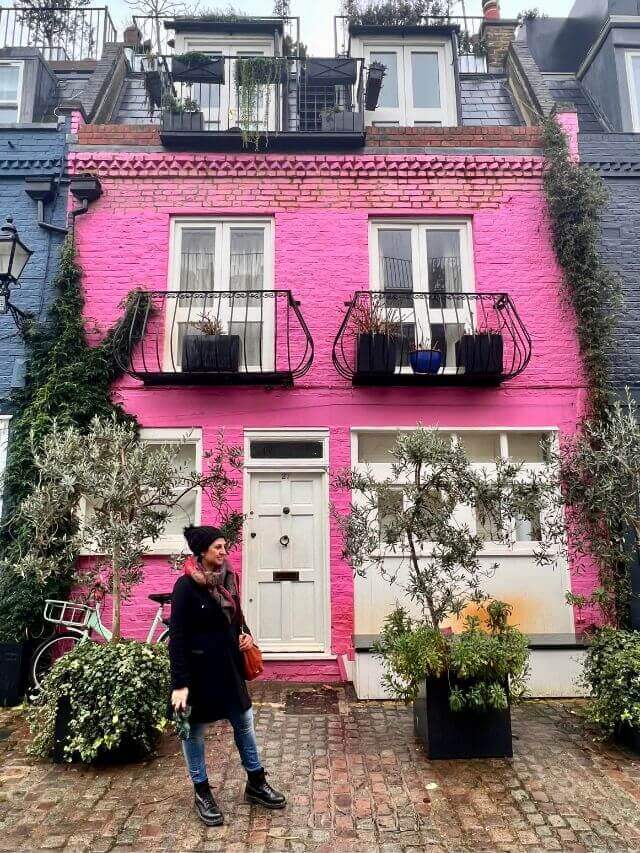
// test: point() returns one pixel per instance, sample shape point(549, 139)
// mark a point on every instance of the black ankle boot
point(207, 808)
point(259, 791)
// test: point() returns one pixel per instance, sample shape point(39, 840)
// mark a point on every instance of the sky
point(317, 15)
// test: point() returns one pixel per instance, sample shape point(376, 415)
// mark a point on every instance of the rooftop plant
point(394, 12)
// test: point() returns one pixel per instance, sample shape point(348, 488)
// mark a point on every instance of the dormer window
point(633, 78)
point(10, 91)
point(419, 85)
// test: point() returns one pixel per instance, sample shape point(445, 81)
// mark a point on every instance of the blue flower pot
point(425, 361)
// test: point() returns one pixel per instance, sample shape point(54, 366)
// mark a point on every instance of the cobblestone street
point(356, 778)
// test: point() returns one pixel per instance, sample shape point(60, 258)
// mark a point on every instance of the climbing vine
point(255, 78)
point(67, 382)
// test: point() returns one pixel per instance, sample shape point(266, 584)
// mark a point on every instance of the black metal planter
point(480, 354)
point(376, 353)
point(14, 671)
point(190, 122)
point(331, 71)
point(211, 353)
point(201, 71)
point(449, 735)
point(373, 87)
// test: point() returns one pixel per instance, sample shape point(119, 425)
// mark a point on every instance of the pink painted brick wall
point(321, 227)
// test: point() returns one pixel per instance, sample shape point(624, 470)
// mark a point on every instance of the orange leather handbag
point(253, 664)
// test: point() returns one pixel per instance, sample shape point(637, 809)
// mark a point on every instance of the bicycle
point(80, 621)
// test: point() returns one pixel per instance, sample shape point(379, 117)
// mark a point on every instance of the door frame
point(291, 466)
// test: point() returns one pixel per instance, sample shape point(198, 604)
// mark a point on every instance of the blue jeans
point(243, 734)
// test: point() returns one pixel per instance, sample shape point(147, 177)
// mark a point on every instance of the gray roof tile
point(569, 90)
point(485, 101)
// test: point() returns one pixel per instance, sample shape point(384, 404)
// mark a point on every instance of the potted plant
point(376, 347)
point(435, 562)
point(212, 350)
point(332, 71)
point(194, 67)
point(181, 114)
point(374, 85)
point(426, 357)
point(338, 120)
point(152, 80)
point(481, 352)
point(612, 674)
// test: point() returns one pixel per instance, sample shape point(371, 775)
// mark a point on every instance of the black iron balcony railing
point(471, 49)
point(61, 33)
point(402, 337)
point(202, 337)
point(260, 96)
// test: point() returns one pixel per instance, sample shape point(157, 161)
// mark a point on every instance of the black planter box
point(211, 353)
point(332, 71)
point(480, 354)
point(342, 122)
point(14, 672)
point(373, 87)
point(449, 735)
point(182, 121)
point(376, 353)
point(211, 71)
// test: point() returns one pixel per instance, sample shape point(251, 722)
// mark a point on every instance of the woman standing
point(206, 639)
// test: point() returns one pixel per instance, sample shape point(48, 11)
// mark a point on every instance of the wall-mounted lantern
point(14, 256)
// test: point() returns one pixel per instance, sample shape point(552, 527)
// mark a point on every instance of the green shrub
point(612, 673)
point(118, 698)
point(478, 661)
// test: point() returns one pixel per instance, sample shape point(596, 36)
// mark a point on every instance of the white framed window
point(426, 259)
point(632, 59)
point(10, 91)
point(418, 89)
point(188, 509)
point(222, 266)
point(4, 444)
point(372, 451)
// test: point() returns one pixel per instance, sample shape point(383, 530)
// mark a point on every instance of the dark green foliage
point(69, 382)
point(118, 698)
point(612, 673)
point(576, 196)
point(394, 13)
point(480, 659)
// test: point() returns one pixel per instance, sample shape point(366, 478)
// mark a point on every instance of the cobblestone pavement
point(356, 778)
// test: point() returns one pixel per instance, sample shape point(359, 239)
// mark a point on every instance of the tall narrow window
point(425, 78)
point(10, 85)
point(197, 259)
point(633, 79)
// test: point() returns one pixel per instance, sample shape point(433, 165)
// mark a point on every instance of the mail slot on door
point(286, 576)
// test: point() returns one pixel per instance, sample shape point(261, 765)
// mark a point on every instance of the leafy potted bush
point(426, 357)
point(109, 698)
point(212, 350)
point(181, 114)
point(376, 347)
point(435, 561)
point(338, 120)
point(481, 353)
point(194, 67)
point(377, 70)
point(612, 674)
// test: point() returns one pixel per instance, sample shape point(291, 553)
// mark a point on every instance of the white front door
point(285, 569)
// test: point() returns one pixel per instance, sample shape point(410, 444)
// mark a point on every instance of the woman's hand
point(179, 699)
point(246, 642)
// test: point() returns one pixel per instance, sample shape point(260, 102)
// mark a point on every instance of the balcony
point(438, 338)
point(197, 337)
point(61, 33)
point(222, 102)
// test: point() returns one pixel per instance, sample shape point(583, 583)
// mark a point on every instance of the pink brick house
point(427, 210)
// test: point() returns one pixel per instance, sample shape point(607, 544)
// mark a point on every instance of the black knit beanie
point(200, 538)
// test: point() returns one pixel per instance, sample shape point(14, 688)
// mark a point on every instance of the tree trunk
point(117, 599)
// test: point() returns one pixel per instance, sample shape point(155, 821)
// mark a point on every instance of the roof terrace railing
point(68, 33)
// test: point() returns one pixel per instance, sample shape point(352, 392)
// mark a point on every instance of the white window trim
point(634, 94)
point(5, 421)
point(286, 435)
point(18, 102)
point(406, 115)
point(224, 224)
point(463, 514)
point(167, 544)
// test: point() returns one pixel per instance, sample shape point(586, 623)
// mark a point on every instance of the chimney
point(491, 9)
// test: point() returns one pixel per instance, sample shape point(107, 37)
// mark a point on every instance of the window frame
point(18, 102)
point(5, 424)
point(463, 513)
point(167, 544)
point(632, 89)
point(223, 226)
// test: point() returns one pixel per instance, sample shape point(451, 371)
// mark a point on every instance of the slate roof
point(569, 90)
point(485, 100)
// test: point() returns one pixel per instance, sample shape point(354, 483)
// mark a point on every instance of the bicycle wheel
point(48, 653)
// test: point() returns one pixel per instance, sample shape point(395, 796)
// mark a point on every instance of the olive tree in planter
point(132, 489)
point(460, 684)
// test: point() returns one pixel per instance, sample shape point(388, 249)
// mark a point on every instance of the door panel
point(286, 534)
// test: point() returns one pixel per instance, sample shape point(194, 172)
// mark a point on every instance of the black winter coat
point(204, 654)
